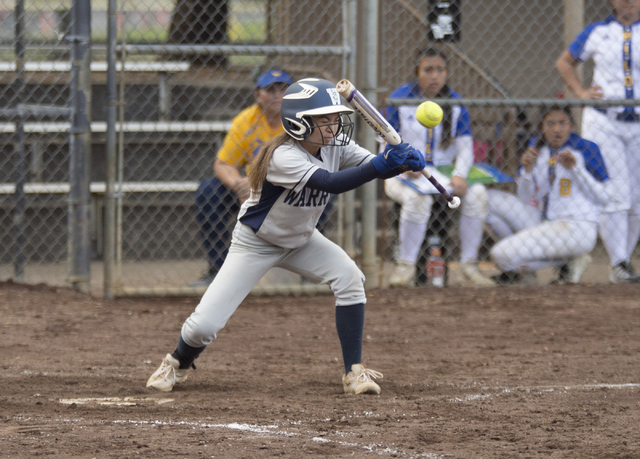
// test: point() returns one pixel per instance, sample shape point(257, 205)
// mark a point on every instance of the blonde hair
point(260, 164)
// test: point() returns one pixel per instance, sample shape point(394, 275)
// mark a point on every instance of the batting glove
point(414, 161)
point(392, 157)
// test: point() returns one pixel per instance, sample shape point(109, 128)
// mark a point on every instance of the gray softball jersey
point(285, 211)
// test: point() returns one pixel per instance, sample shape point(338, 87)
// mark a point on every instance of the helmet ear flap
point(299, 130)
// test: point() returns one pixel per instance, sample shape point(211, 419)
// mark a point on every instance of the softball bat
point(382, 127)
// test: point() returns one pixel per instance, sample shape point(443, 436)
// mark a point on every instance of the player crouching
point(292, 180)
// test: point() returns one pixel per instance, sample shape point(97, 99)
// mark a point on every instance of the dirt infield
point(523, 372)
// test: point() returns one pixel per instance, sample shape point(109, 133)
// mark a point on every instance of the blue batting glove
point(414, 161)
point(391, 158)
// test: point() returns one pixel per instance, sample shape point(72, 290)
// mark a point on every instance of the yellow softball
point(429, 114)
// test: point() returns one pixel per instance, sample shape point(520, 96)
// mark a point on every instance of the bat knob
point(454, 203)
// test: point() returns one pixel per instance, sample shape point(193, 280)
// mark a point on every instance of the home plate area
point(547, 371)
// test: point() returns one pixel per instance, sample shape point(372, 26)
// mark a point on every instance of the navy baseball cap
point(272, 76)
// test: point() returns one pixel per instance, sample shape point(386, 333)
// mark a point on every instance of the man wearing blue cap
point(218, 197)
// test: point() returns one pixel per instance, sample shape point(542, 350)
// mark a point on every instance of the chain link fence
point(186, 68)
point(501, 50)
point(34, 162)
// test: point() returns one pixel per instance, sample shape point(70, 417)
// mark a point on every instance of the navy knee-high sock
point(350, 326)
point(186, 354)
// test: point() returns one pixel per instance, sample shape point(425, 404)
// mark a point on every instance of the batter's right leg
point(248, 261)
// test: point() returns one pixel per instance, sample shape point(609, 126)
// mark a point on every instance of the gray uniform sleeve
point(290, 168)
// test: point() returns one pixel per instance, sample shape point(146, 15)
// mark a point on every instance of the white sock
point(471, 229)
point(614, 232)
point(411, 236)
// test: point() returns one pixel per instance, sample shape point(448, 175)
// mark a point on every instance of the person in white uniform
point(614, 46)
point(448, 143)
point(291, 181)
point(567, 178)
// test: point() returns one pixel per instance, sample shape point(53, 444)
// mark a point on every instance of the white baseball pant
point(416, 211)
point(551, 243)
point(249, 259)
point(619, 143)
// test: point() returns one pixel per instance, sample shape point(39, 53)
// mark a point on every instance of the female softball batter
point(291, 180)
point(566, 176)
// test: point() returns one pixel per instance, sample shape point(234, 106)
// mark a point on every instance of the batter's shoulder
point(288, 151)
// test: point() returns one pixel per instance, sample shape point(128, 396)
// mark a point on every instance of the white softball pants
point(551, 243)
point(508, 214)
point(249, 259)
point(416, 211)
point(619, 143)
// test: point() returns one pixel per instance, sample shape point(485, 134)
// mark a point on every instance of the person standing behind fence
point(218, 197)
point(567, 177)
point(614, 46)
point(449, 142)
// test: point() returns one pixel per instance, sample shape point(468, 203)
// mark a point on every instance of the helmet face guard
point(314, 97)
point(341, 135)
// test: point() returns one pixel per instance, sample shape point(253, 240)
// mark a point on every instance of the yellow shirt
point(249, 131)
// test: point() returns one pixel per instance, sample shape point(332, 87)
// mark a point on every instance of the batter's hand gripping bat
point(373, 117)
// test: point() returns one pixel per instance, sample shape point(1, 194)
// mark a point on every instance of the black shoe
point(629, 268)
point(564, 272)
point(507, 278)
point(622, 273)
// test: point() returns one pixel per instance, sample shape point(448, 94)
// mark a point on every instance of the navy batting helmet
point(313, 97)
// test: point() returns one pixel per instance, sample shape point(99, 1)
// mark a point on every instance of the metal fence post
point(368, 81)
point(110, 199)
point(350, 18)
point(80, 147)
point(19, 150)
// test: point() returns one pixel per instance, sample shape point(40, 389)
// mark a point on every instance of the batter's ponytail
point(260, 165)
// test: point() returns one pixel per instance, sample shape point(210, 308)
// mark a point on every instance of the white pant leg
point(249, 259)
point(416, 207)
point(508, 214)
point(414, 216)
point(634, 234)
point(610, 137)
point(325, 262)
point(632, 141)
point(547, 244)
point(614, 232)
point(473, 213)
point(609, 134)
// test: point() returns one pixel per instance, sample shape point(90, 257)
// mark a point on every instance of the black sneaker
point(507, 278)
point(622, 273)
point(564, 273)
point(628, 267)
